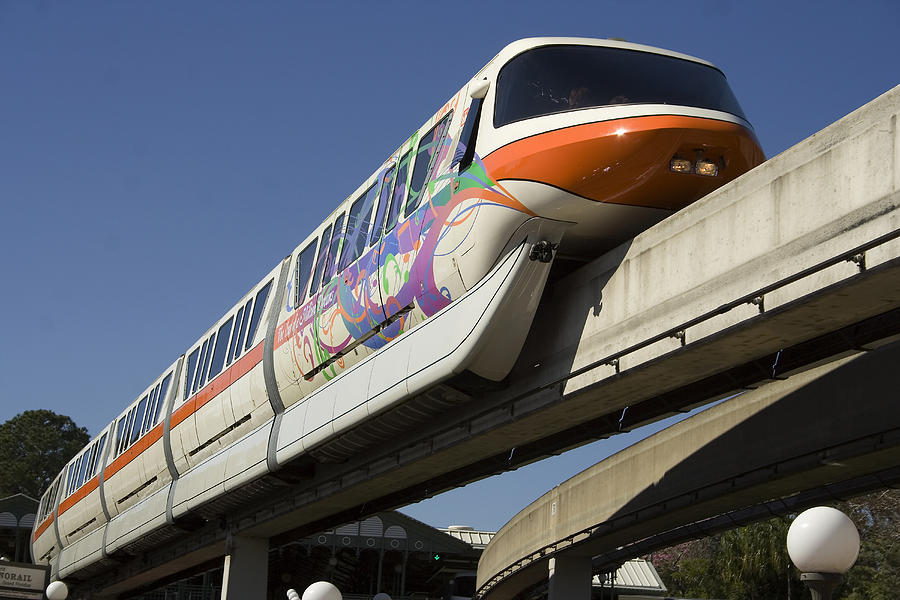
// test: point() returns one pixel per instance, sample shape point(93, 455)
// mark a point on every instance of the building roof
point(636, 575)
point(18, 510)
point(476, 539)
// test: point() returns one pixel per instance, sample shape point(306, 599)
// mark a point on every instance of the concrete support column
point(570, 578)
point(246, 569)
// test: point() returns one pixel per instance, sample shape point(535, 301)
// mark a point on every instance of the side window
point(337, 239)
point(258, 306)
point(198, 378)
point(244, 322)
point(192, 367)
point(82, 468)
point(126, 431)
point(218, 357)
point(70, 477)
point(426, 160)
point(303, 271)
point(320, 262)
point(358, 227)
point(99, 454)
point(383, 198)
point(465, 153)
point(138, 420)
point(92, 454)
point(48, 502)
point(120, 434)
point(238, 330)
point(149, 422)
point(161, 397)
point(399, 194)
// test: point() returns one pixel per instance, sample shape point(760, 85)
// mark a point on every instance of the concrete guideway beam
point(836, 422)
point(725, 275)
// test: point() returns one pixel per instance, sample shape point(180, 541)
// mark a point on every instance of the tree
point(745, 563)
point(751, 562)
point(754, 561)
point(876, 574)
point(34, 447)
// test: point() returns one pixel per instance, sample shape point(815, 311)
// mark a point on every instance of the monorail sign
point(22, 580)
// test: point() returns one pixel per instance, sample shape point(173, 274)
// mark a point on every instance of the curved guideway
point(833, 424)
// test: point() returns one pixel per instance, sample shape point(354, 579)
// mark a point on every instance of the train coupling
point(542, 251)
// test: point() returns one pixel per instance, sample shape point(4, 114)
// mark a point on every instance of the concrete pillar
point(570, 578)
point(246, 569)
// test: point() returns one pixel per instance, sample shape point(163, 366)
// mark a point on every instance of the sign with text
point(22, 581)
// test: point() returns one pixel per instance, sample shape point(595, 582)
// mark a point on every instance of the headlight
point(680, 165)
point(707, 168)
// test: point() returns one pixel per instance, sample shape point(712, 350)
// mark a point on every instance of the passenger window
point(204, 369)
point(151, 410)
point(399, 194)
point(161, 397)
point(90, 468)
point(123, 443)
point(82, 468)
point(465, 152)
point(222, 337)
point(92, 456)
point(320, 262)
point(426, 161)
point(138, 420)
point(244, 323)
point(337, 239)
point(235, 343)
point(358, 227)
point(199, 376)
point(99, 455)
point(120, 434)
point(192, 366)
point(383, 198)
point(303, 271)
point(70, 478)
point(257, 313)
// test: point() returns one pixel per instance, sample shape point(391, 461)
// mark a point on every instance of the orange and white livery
point(557, 150)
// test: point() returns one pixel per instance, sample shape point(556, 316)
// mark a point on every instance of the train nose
point(657, 161)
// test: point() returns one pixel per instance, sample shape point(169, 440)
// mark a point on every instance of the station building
point(392, 553)
point(17, 514)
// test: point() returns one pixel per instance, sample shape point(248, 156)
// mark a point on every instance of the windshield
point(554, 79)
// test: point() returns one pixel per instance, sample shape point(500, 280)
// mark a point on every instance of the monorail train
point(557, 149)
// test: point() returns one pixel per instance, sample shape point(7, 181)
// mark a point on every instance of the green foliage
point(746, 563)
point(751, 562)
point(34, 447)
point(876, 574)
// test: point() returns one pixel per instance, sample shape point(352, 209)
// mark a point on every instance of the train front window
point(554, 79)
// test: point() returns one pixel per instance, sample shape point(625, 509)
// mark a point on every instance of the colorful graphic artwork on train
point(427, 270)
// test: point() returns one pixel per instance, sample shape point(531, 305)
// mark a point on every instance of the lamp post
point(823, 543)
point(57, 591)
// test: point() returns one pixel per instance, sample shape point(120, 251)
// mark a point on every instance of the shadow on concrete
point(832, 424)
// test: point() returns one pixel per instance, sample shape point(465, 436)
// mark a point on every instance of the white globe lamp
point(381, 596)
point(823, 543)
point(57, 591)
point(322, 590)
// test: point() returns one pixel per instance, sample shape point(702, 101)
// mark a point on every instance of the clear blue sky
point(157, 158)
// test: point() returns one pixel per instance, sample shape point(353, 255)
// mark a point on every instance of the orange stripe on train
point(43, 527)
